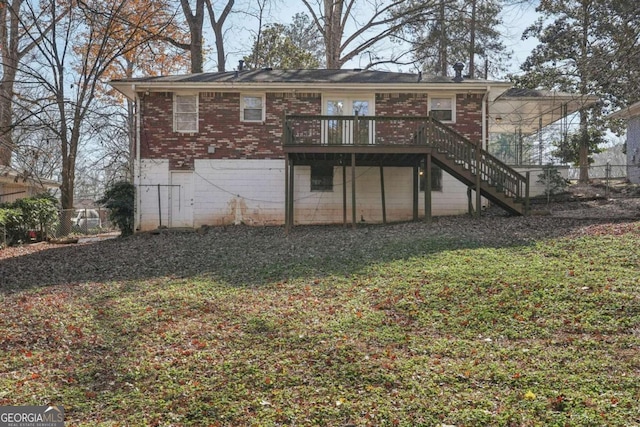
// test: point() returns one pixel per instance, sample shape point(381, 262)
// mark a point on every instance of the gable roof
point(320, 79)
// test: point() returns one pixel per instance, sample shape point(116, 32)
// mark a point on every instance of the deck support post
point(290, 185)
point(286, 194)
point(478, 182)
point(344, 193)
point(427, 188)
point(469, 201)
point(416, 190)
point(353, 190)
point(384, 207)
point(526, 194)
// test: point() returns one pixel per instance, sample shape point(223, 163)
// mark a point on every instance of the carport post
point(159, 208)
point(286, 193)
point(384, 207)
point(344, 194)
point(427, 188)
point(353, 190)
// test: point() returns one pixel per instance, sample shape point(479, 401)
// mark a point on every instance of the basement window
point(185, 113)
point(321, 178)
point(436, 178)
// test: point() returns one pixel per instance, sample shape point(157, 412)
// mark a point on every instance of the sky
point(241, 31)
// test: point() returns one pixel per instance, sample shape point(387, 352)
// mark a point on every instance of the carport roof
point(525, 109)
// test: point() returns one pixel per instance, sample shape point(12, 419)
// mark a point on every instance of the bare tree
point(373, 22)
point(217, 24)
point(15, 44)
point(73, 54)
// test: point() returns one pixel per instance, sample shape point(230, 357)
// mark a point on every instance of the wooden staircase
point(475, 166)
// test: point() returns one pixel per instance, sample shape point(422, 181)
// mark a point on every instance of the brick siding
point(223, 136)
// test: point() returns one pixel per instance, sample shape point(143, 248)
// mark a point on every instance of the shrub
point(37, 213)
point(119, 198)
point(552, 180)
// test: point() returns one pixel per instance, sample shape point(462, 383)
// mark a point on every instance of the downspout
point(137, 177)
point(485, 131)
point(483, 144)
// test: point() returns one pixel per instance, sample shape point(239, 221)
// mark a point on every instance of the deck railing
point(323, 130)
point(463, 152)
point(351, 130)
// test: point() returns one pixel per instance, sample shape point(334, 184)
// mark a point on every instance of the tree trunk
point(472, 40)
point(195, 22)
point(197, 58)
point(333, 32)
point(583, 150)
point(6, 117)
point(222, 58)
point(442, 54)
point(10, 52)
point(217, 25)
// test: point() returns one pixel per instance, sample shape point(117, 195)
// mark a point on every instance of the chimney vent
point(419, 76)
point(240, 65)
point(458, 67)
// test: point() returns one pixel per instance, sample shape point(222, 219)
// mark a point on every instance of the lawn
point(409, 329)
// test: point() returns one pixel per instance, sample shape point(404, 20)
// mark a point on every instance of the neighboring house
point(632, 115)
point(314, 147)
point(15, 185)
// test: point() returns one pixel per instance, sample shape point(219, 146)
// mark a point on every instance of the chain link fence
point(71, 223)
point(601, 172)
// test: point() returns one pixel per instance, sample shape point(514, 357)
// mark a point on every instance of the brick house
point(273, 147)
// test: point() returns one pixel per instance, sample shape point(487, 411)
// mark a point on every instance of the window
point(442, 109)
point(321, 178)
point(251, 108)
point(185, 113)
point(436, 178)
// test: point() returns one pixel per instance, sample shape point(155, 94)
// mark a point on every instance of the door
point(349, 130)
point(181, 199)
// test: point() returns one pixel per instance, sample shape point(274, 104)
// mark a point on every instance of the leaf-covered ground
point(502, 321)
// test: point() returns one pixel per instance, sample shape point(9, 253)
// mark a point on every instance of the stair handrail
point(491, 169)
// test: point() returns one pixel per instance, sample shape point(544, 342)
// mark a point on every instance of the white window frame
point(348, 98)
point(453, 106)
point(264, 107)
point(176, 113)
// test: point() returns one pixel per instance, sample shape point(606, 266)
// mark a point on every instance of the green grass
point(538, 335)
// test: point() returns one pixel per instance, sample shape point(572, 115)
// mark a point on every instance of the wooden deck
point(351, 141)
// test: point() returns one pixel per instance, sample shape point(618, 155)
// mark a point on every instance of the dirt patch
point(243, 255)
point(616, 201)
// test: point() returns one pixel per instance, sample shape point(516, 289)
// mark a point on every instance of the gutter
point(422, 87)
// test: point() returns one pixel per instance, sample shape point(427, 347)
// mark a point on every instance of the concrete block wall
point(150, 210)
